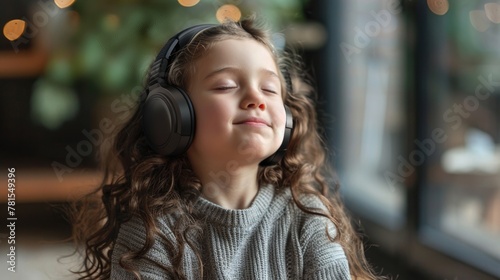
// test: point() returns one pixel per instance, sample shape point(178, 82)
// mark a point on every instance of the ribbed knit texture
point(272, 239)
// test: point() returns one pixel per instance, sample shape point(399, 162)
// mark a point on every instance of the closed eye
point(224, 88)
point(269, 90)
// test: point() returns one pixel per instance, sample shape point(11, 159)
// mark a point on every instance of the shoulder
point(312, 222)
point(132, 235)
point(132, 238)
point(322, 253)
point(133, 232)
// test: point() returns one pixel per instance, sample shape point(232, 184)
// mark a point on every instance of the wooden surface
point(44, 186)
point(24, 63)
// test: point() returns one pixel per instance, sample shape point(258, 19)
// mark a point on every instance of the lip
point(253, 121)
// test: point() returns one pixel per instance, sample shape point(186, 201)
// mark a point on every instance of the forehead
point(238, 51)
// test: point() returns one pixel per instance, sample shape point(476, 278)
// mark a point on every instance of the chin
point(254, 149)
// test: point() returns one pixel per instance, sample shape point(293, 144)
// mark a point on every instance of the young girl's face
point(236, 93)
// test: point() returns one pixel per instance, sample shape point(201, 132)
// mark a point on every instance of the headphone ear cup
point(280, 153)
point(168, 120)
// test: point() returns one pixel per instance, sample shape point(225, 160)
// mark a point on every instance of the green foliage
point(53, 104)
point(112, 43)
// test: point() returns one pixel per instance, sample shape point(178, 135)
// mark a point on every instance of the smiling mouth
point(253, 122)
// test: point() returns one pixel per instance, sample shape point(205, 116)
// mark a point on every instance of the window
point(373, 130)
point(460, 114)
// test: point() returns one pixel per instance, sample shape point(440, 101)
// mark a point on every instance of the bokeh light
point(13, 29)
point(111, 22)
point(228, 12)
point(439, 7)
point(188, 3)
point(492, 11)
point(64, 3)
point(479, 20)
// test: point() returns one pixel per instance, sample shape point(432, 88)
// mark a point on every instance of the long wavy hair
point(139, 182)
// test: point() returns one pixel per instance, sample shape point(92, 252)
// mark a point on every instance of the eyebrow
point(235, 69)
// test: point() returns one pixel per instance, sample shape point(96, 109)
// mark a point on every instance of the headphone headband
point(159, 69)
point(168, 117)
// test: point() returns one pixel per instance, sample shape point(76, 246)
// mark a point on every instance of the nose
point(253, 99)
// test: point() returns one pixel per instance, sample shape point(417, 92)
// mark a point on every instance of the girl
point(236, 201)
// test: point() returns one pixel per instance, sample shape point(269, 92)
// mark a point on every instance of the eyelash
point(231, 87)
point(224, 88)
point(270, 91)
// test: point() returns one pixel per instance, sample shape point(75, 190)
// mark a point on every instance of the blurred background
point(409, 100)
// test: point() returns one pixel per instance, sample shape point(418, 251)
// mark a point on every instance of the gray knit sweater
point(272, 239)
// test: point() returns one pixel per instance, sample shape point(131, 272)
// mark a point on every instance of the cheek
point(280, 117)
point(211, 116)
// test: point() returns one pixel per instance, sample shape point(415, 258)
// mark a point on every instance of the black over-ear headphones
point(168, 114)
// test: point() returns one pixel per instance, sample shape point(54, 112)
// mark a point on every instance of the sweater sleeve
point(323, 259)
point(131, 237)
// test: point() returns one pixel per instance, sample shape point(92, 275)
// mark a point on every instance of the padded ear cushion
point(168, 116)
point(168, 120)
point(280, 153)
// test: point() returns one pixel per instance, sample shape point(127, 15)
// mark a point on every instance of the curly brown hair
point(139, 182)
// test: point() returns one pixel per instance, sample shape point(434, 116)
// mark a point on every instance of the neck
point(231, 186)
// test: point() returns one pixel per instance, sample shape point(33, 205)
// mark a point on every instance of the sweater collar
point(214, 213)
